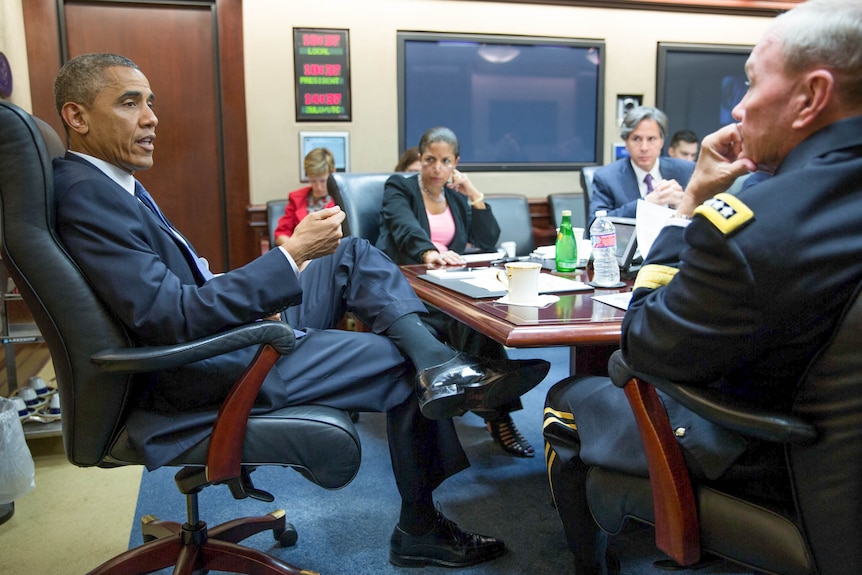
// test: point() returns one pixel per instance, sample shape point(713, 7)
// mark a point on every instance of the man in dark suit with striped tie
point(149, 275)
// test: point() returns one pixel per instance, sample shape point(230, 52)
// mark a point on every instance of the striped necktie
point(189, 252)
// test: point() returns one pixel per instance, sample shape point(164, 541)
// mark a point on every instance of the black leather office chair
point(95, 366)
point(513, 216)
point(361, 197)
point(812, 532)
point(567, 201)
point(274, 211)
point(55, 148)
point(587, 187)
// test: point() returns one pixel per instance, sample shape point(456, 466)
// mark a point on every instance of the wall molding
point(768, 8)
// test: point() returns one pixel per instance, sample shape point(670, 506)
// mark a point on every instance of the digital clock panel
point(322, 69)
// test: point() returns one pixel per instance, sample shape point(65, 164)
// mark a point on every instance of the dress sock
point(410, 335)
point(417, 518)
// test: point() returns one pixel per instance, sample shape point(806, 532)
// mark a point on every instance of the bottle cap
point(601, 213)
point(565, 213)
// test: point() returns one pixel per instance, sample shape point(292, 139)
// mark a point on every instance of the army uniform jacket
point(748, 292)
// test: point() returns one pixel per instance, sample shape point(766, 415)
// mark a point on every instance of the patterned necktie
point(189, 252)
point(648, 182)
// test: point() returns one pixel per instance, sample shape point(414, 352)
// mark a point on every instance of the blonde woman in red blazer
point(319, 163)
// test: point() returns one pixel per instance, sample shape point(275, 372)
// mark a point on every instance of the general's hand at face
point(666, 193)
point(318, 234)
point(721, 161)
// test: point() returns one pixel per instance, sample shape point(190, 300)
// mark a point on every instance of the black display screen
point(698, 85)
point(516, 103)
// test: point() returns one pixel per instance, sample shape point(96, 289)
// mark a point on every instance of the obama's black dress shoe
point(465, 383)
point(446, 545)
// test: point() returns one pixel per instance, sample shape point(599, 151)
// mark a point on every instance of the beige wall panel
point(631, 37)
point(14, 47)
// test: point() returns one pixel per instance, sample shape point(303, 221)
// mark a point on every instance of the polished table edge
point(466, 310)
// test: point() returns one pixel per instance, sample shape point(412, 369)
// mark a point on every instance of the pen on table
point(509, 260)
point(460, 270)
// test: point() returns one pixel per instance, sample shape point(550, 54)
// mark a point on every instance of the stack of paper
point(483, 257)
point(547, 283)
point(461, 273)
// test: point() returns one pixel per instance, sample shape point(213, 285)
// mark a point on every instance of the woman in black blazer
point(430, 218)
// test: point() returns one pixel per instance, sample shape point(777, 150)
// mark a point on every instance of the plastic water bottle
point(603, 236)
point(566, 249)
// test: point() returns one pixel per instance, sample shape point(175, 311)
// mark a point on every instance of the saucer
point(542, 301)
point(42, 414)
point(614, 286)
point(41, 404)
point(41, 417)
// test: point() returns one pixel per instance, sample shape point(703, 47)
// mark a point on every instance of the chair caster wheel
point(286, 537)
point(7, 510)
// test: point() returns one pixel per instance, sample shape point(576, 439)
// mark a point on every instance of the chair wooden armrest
point(677, 531)
point(676, 520)
point(224, 458)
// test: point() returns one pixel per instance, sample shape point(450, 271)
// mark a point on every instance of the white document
point(458, 273)
point(548, 283)
point(620, 300)
point(483, 257)
point(649, 222)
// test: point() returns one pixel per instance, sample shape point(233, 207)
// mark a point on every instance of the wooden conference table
point(590, 329)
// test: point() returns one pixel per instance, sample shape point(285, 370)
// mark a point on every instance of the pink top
point(442, 229)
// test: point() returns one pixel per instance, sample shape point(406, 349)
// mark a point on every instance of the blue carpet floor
point(347, 531)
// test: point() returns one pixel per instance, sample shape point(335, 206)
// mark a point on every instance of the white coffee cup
point(522, 281)
point(38, 385)
point(20, 407)
point(585, 249)
point(28, 394)
point(510, 248)
point(54, 405)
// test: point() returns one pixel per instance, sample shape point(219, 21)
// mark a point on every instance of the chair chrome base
point(7, 510)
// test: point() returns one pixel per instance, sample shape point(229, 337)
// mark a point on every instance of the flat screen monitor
point(627, 244)
point(698, 85)
point(515, 102)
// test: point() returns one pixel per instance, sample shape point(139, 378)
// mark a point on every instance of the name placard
point(321, 61)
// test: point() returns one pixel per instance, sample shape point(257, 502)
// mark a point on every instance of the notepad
point(483, 257)
point(453, 273)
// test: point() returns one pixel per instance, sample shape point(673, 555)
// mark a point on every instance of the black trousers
point(353, 371)
point(588, 422)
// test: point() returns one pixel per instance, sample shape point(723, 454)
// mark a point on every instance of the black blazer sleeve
point(404, 229)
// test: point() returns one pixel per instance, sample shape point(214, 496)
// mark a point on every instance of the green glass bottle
point(566, 249)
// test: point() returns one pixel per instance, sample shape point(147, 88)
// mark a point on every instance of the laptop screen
point(626, 241)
